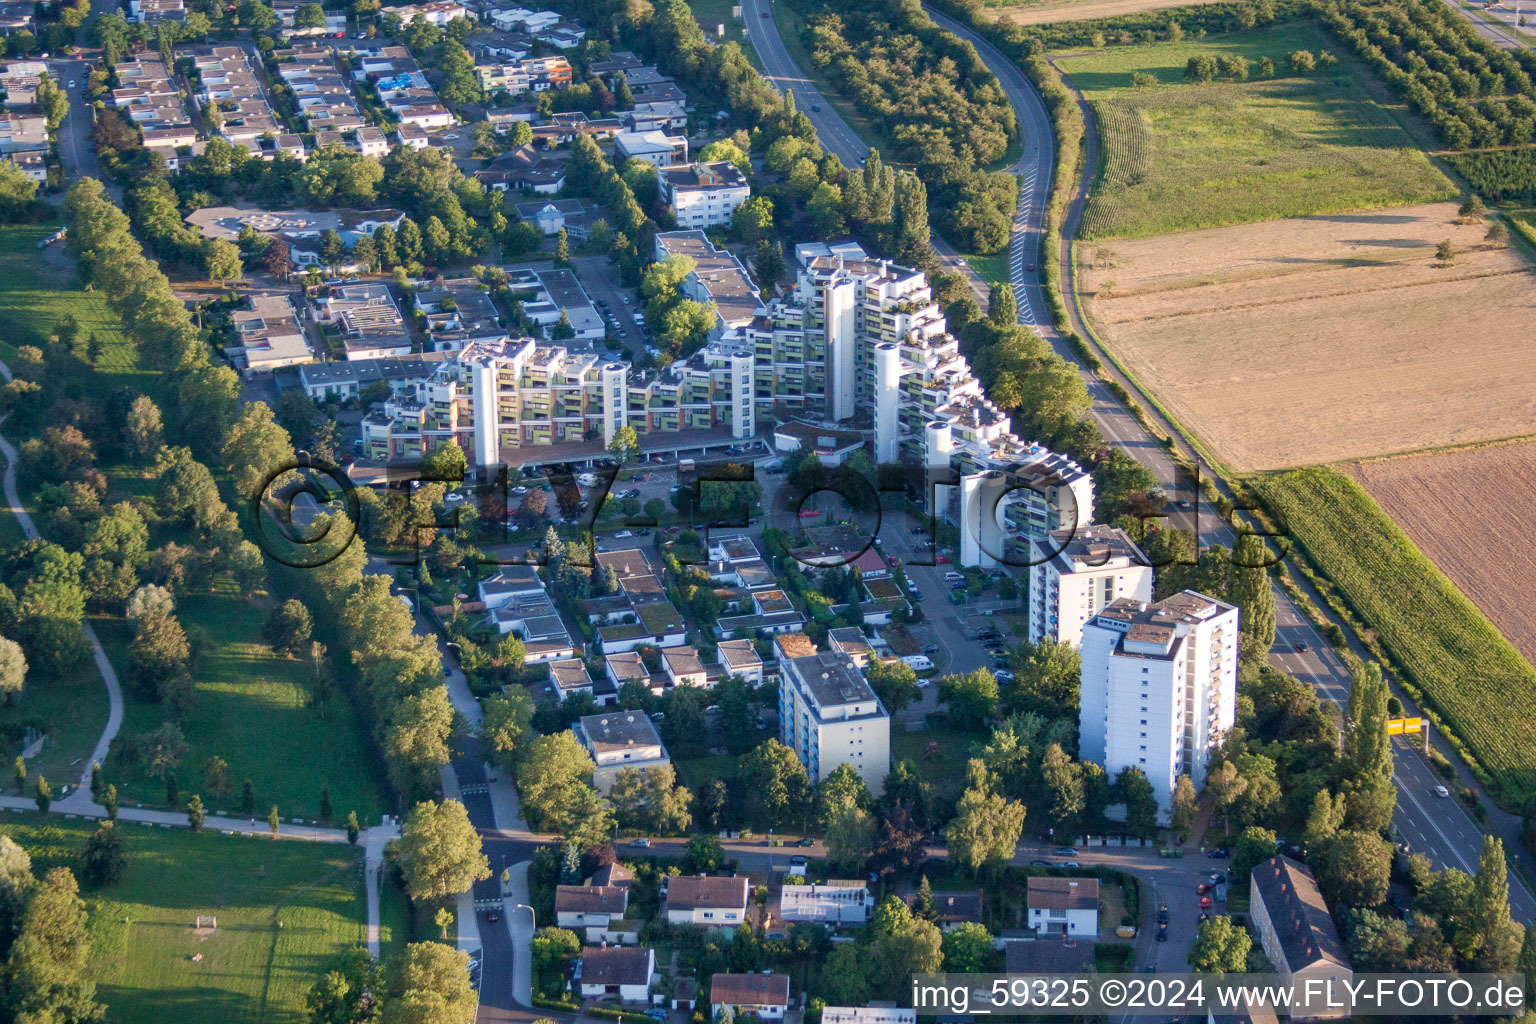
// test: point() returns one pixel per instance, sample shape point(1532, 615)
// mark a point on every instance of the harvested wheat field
point(1472, 513)
point(1318, 339)
point(1048, 11)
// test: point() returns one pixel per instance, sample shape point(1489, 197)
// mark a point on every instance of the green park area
point(254, 710)
point(282, 909)
point(1179, 154)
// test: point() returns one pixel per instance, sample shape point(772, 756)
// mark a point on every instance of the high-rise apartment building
point(1159, 688)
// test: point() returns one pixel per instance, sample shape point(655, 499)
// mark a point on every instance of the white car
point(1442, 792)
point(452, 498)
point(71, 84)
point(623, 534)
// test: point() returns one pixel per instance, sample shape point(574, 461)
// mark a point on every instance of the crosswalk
point(474, 787)
point(1017, 252)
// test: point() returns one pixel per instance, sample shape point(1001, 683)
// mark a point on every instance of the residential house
point(1064, 906)
point(765, 996)
point(569, 676)
point(1296, 931)
point(739, 658)
point(654, 147)
point(595, 911)
point(835, 901)
point(618, 971)
point(706, 900)
point(683, 666)
point(620, 740)
point(704, 195)
point(829, 717)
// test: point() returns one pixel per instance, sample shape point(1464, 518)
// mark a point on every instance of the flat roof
point(619, 731)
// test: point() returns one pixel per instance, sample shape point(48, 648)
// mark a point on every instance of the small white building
point(620, 740)
point(706, 900)
point(835, 901)
point(510, 583)
point(656, 148)
point(618, 971)
point(765, 996)
point(591, 909)
point(739, 658)
point(1064, 906)
point(704, 195)
point(683, 666)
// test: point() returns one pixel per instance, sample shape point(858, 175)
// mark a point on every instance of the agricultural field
point(283, 908)
point(1428, 497)
point(1179, 155)
point(253, 711)
point(1325, 338)
point(1042, 12)
point(1469, 673)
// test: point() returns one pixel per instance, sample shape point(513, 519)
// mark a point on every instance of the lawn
point(1437, 639)
point(71, 708)
point(1177, 155)
point(710, 13)
point(252, 711)
point(35, 296)
point(282, 907)
point(946, 770)
point(993, 268)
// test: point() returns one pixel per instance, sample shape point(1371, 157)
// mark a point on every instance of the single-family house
point(765, 996)
point(706, 900)
point(1063, 906)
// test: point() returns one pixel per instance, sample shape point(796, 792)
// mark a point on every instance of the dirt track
point(1472, 513)
point(1325, 338)
point(1041, 14)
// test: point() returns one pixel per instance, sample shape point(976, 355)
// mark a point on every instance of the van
point(917, 662)
point(586, 480)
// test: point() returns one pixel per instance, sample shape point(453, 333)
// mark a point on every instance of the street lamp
point(532, 917)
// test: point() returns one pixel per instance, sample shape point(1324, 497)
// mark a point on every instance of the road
point(1442, 829)
point(1497, 34)
point(836, 136)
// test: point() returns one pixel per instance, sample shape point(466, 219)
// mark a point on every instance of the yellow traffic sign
point(1400, 726)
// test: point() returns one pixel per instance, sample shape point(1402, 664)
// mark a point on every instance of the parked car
point(1221, 894)
point(642, 844)
point(1217, 877)
point(1003, 675)
point(1162, 933)
point(1205, 903)
point(1065, 851)
point(1220, 853)
point(797, 861)
point(807, 841)
point(1204, 887)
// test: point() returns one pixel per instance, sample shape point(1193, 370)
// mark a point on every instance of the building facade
point(1078, 573)
point(1159, 688)
point(829, 717)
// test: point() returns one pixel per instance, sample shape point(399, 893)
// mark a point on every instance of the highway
point(1439, 828)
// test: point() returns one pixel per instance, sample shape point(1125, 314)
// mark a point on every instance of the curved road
point(1440, 828)
point(836, 136)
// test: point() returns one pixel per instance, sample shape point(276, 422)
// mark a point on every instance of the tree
point(1251, 591)
point(850, 834)
point(1499, 948)
point(142, 429)
point(273, 820)
point(446, 464)
point(1002, 307)
point(43, 794)
point(1498, 234)
point(705, 854)
point(1063, 780)
point(104, 859)
point(562, 249)
point(1135, 791)
point(195, 813)
point(1445, 252)
point(1186, 805)
point(777, 781)
point(972, 697)
point(109, 801)
point(278, 259)
point(894, 682)
point(552, 780)
point(968, 949)
point(986, 827)
point(1301, 61)
point(439, 852)
point(221, 261)
point(309, 16)
point(826, 209)
point(900, 945)
point(158, 653)
point(13, 669)
point(1354, 868)
point(46, 972)
point(347, 992)
point(552, 948)
point(353, 828)
point(843, 978)
point(625, 444)
point(429, 984)
point(416, 745)
point(507, 726)
point(1220, 947)
point(19, 773)
point(255, 446)
point(288, 628)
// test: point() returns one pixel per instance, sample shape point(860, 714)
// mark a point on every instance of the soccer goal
point(206, 923)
